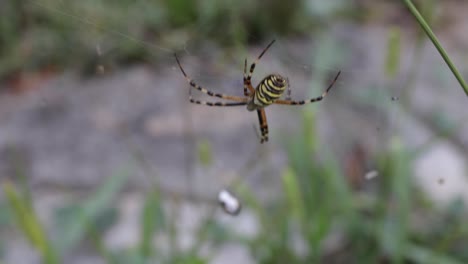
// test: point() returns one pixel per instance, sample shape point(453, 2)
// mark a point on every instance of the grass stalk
point(436, 43)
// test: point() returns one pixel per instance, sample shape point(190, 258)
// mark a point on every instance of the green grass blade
point(205, 154)
point(309, 130)
point(152, 220)
point(293, 194)
point(29, 224)
point(392, 62)
point(436, 43)
point(396, 190)
point(92, 208)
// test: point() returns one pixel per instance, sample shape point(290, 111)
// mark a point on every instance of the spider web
point(133, 112)
point(359, 113)
point(309, 63)
point(104, 113)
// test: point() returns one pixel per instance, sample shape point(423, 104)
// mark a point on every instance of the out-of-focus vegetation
point(51, 33)
point(40, 33)
point(391, 222)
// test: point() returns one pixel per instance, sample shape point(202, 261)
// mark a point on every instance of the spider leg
point(263, 124)
point(208, 92)
point(250, 90)
point(252, 66)
point(216, 103)
point(316, 99)
point(193, 101)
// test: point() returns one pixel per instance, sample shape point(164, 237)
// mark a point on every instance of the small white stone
point(229, 202)
point(371, 174)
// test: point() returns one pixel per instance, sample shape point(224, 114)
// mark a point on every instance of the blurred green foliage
point(152, 222)
point(57, 33)
point(28, 222)
point(390, 222)
point(393, 55)
point(205, 154)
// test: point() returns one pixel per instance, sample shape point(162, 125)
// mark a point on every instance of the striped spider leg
point(267, 92)
point(250, 91)
point(237, 100)
point(313, 100)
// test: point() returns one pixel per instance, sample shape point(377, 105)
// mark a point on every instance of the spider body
point(267, 92)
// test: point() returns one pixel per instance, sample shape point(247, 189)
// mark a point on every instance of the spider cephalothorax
point(267, 92)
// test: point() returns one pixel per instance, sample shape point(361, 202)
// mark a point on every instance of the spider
point(267, 92)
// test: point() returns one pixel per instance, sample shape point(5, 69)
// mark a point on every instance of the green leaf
point(293, 194)
point(188, 259)
point(29, 224)
point(392, 63)
point(92, 209)
point(152, 220)
point(396, 189)
point(204, 153)
point(310, 136)
point(181, 12)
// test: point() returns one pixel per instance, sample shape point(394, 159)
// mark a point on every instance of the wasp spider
point(267, 92)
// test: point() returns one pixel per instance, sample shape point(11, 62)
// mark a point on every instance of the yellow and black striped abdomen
point(269, 89)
